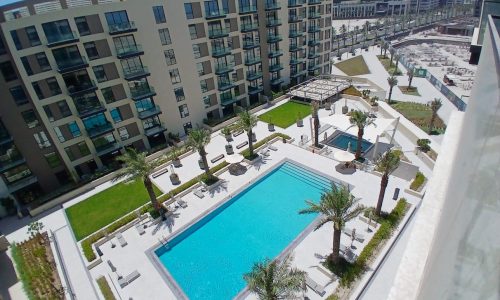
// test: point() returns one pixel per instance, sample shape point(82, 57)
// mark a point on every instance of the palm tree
point(343, 31)
point(386, 46)
point(381, 43)
point(334, 34)
point(338, 206)
point(386, 164)
point(137, 167)
point(356, 31)
point(410, 73)
point(435, 105)
point(393, 81)
point(392, 51)
point(397, 57)
point(197, 139)
point(387, 22)
point(247, 121)
point(360, 119)
point(352, 34)
point(314, 112)
point(277, 279)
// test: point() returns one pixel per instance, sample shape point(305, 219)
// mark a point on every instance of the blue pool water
point(208, 260)
point(342, 140)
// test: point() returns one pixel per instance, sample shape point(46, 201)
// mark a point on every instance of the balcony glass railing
point(245, 27)
point(156, 128)
point(254, 89)
point(142, 91)
point(135, 73)
point(89, 109)
point(225, 85)
point(295, 61)
point(122, 27)
point(313, 42)
point(106, 148)
point(272, 5)
point(313, 29)
point(293, 3)
point(313, 54)
point(275, 67)
point(252, 75)
point(61, 38)
point(252, 60)
point(10, 162)
point(295, 47)
point(221, 51)
point(314, 15)
point(97, 130)
point(71, 64)
point(314, 1)
point(295, 33)
point(298, 73)
point(273, 22)
point(217, 33)
point(223, 68)
point(153, 111)
point(249, 44)
point(248, 9)
point(213, 14)
point(276, 81)
point(81, 87)
point(275, 53)
point(274, 38)
point(292, 19)
point(129, 51)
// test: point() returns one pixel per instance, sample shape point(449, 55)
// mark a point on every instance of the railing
point(276, 81)
point(221, 51)
point(292, 19)
point(249, 26)
point(248, 9)
point(12, 162)
point(314, 1)
point(61, 39)
point(295, 61)
point(252, 75)
point(295, 47)
point(314, 15)
point(128, 51)
point(252, 60)
point(272, 5)
point(248, 44)
point(155, 129)
point(212, 14)
point(255, 89)
point(142, 91)
point(108, 147)
point(223, 68)
point(82, 87)
point(85, 111)
point(275, 53)
point(68, 65)
point(273, 22)
point(275, 67)
point(122, 27)
point(136, 72)
point(217, 33)
point(274, 38)
point(100, 129)
point(293, 3)
point(155, 110)
point(295, 33)
point(314, 29)
point(225, 85)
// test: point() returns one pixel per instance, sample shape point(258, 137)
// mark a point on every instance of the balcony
point(107, 148)
point(252, 75)
point(223, 68)
point(295, 48)
point(249, 61)
point(275, 67)
point(222, 51)
point(214, 14)
point(312, 2)
point(12, 162)
point(275, 53)
point(225, 85)
point(277, 81)
point(313, 67)
point(295, 33)
point(81, 87)
point(136, 73)
point(89, 110)
point(274, 38)
point(273, 22)
point(295, 3)
point(71, 64)
point(252, 90)
point(124, 27)
point(295, 19)
point(150, 112)
point(313, 54)
point(314, 15)
point(6, 138)
point(313, 42)
point(296, 61)
point(229, 100)
point(218, 33)
point(62, 39)
point(129, 51)
point(155, 129)
point(22, 183)
point(272, 6)
point(298, 73)
point(247, 27)
point(250, 44)
point(99, 129)
point(250, 9)
point(313, 29)
point(142, 91)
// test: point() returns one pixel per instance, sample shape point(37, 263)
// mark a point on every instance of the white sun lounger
point(272, 147)
point(182, 203)
point(121, 240)
point(124, 281)
point(199, 193)
point(140, 228)
point(264, 152)
point(314, 286)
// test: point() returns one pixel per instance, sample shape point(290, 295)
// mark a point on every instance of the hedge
point(418, 181)
point(105, 289)
point(256, 145)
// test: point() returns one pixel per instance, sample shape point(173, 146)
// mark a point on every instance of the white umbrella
point(234, 158)
point(344, 156)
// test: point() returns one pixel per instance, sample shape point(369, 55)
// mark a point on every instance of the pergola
point(320, 88)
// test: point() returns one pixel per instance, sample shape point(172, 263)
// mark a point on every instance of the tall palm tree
point(397, 57)
point(356, 31)
point(343, 32)
point(360, 119)
point(274, 280)
point(334, 34)
point(392, 51)
point(137, 167)
point(387, 22)
point(392, 81)
point(337, 206)
point(352, 34)
point(435, 105)
point(381, 44)
point(314, 112)
point(386, 46)
point(247, 122)
point(410, 73)
point(197, 139)
point(386, 164)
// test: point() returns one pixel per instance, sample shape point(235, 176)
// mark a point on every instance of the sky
point(5, 2)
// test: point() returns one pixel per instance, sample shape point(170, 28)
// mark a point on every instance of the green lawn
point(285, 115)
point(386, 62)
point(353, 66)
point(419, 114)
point(107, 206)
point(409, 91)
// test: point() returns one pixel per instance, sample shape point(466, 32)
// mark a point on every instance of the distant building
point(372, 9)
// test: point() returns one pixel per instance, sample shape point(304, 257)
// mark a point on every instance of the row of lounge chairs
point(124, 281)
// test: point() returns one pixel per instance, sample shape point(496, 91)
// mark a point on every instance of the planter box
point(174, 178)
point(270, 127)
point(228, 137)
point(229, 149)
point(213, 186)
point(177, 163)
point(251, 162)
point(300, 123)
point(345, 110)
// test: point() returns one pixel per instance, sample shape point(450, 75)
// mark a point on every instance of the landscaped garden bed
point(353, 66)
point(286, 114)
point(413, 91)
point(386, 62)
point(37, 269)
point(420, 115)
point(417, 182)
point(105, 289)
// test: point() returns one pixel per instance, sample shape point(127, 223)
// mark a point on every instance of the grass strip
point(286, 114)
point(105, 289)
point(418, 181)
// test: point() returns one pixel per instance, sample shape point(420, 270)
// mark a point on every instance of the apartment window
point(108, 95)
point(82, 26)
point(175, 77)
point(53, 160)
point(53, 86)
point(159, 14)
point(42, 140)
point(17, 173)
point(59, 135)
point(91, 50)
point(32, 36)
point(183, 110)
point(179, 94)
point(200, 69)
point(57, 30)
point(170, 57)
point(43, 62)
point(99, 73)
point(8, 71)
point(30, 118)
point(74, 129)
point(18, 95)
point(123, 132)
point(164, 36)
point(17, 42)
point(206, 101)
point(38, 90)
point(188, 8)
point(26, 65)
point(192, 32)
point(204, 86)
point(117, 17)
point(83, 148)
point(116, 115)
point(187, 127)
point(64, 108)
point(196, 51)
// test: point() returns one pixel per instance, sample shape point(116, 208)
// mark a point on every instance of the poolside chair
point(272, 147)
point(320, 290)
point(132, 276)
point(264, 152)
point(182, 203)
point(140, 228)
point(199, 193)
point(121, 240)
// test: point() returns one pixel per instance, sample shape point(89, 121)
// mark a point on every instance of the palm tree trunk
point(431, 123)
point(152, 196)
point(409, 83)
point(381, 49)
point(203, 155)
point(383, 187)
point(396, 68)
point(338, 47)
point(336, 245)
point(390, 94)
point(316, 130)
point(250, 142)
point(360, 139)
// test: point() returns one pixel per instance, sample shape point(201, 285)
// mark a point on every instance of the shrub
point(105, 289)
point(256, 145)
point(153, 213)
point(417, 182)
point(424, 144)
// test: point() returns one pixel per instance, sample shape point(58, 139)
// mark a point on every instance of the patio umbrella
point(234, 158)
point(344, 156)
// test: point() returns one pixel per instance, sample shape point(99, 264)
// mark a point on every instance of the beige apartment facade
point(101, 76)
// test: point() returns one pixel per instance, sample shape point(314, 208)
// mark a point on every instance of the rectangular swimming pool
point(342, 140)
point(209, 258)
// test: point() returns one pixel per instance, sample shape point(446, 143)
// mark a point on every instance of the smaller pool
point(342, 140)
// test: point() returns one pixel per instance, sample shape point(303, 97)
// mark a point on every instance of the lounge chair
point(140, 228)
point(272, 147)
point(122, 282)
point(132, 276)
point(121, 240)
point(199, 193)
point(320, 290)
point(182, 203)
point(264, 152)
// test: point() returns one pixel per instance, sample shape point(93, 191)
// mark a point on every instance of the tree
point(343, 32)
point(356, 31)
point(274, 280)
point(387, 22)
point(247, 121)
point(197, 139)
point(392, 51)
point(397, 57)
point(381, 44)
point(138, 167)
point(35, 228)
point(410, 74)
point(360, 119)
point(393, 81)
point(314, 112)
point(386, 46)
point(386, 164)
point(334, 34)
point(338, 206)
point(435, 105)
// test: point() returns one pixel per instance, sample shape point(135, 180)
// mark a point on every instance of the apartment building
point(369, 9)
point(81, 80)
